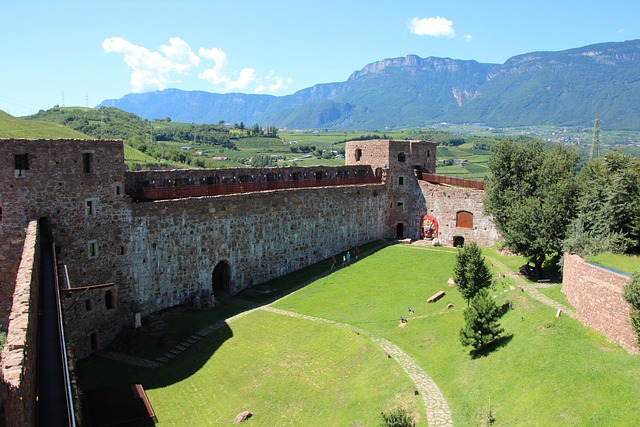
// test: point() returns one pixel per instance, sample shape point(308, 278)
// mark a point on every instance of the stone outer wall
point(399, 160)
point(56, 186)
point(597, 295)
point(19, 354)
point(444, 202)
point(175, 245)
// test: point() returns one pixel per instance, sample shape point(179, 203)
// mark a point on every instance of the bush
point(398, 417)
point(632, 296)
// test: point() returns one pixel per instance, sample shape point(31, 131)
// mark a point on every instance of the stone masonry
point(445, 203)
point(19, 361)
point(597, 295)
point(123, 257)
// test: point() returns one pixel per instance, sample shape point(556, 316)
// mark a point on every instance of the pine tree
point(481, 322)
point(470, 272)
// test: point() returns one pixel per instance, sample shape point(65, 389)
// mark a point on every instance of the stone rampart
point(19, 354)
point(597, 295)
point(175, 245)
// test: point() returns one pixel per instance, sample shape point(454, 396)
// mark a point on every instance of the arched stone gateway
point(221, 280)
point(458, 241)
point(400, 230)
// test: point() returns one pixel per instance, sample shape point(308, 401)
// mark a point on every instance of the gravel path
point(532, 289)
point(438, 412)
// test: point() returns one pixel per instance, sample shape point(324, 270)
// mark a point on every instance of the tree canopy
point(608, 207)
point(531, 194)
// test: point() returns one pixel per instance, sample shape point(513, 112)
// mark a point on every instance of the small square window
point(92, 248)
point(108, 300)
point(21, 165)
point(400, 207)
point(87, 162)
point(90, 207)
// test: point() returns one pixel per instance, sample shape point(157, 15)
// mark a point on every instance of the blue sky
point(83, 52)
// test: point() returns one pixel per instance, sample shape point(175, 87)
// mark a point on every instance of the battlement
point(158, 185)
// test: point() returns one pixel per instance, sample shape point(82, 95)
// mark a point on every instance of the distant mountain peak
point(563, 88)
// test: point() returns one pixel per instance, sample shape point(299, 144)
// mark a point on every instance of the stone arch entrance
point(458, 241)
point(399, 230)
point(221, 279)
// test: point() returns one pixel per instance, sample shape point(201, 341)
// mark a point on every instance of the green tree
point(470, 271)
point(481, 326)
point(608, 208)
point(632, 296)
point(531, 194)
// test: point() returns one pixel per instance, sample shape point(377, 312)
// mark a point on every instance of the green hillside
point(13, 127)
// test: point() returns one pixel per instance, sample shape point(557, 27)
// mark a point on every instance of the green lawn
point(289, 371)
point(627, 263)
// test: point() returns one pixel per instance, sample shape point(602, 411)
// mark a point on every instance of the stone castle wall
point(79, 186)
point(126, 256)
point(176, 244)
point(445, 202)
point(19, 354)
point(402, 162)
point(597, 295)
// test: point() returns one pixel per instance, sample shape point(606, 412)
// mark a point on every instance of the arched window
point(108, 300)
point(358, 154)
point(464, 219)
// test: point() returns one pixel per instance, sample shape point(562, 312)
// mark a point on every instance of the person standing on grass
point(348, 258)
point(356, 252)
point(333, 262)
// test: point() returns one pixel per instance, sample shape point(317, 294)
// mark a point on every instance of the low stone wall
point(19, 355)
point(597, 295)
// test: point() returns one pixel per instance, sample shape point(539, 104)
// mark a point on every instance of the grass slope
point(288, 371)
point(13, 127)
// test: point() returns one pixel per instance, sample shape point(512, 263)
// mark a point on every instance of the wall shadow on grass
point(180, 324)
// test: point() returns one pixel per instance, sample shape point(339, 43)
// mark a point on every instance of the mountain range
point(567, 88)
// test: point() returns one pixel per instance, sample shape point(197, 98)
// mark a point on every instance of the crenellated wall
point(597, 295)
point(19, 354)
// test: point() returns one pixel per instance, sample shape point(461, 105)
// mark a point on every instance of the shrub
point(632, 296)
point(398, 417)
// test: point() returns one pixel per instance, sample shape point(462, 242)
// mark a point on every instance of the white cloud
point(435, 27)
point(468, 37)
point(217, 75)
point(276, 83)
point(152, 70)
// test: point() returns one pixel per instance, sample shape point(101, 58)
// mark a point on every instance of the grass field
point(626, 263)
point(13, 127)
point(290, 371)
